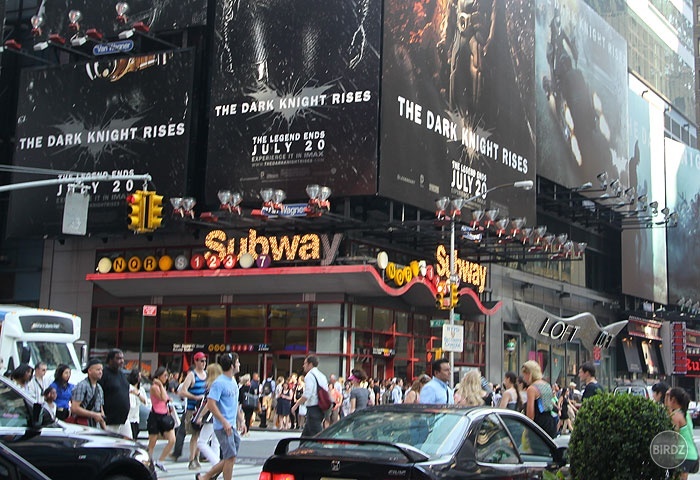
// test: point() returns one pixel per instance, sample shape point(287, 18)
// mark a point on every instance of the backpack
point(324, 398)
point(267, 387)
point(386, 397)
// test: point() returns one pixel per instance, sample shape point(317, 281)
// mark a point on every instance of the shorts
point(190, 428)
point(159, 423)
point(229, 444)
point(689, 466)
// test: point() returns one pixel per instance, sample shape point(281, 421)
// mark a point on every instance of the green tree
point(612, 436)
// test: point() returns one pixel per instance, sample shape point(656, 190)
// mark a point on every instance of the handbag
point(324, 398)
point(205, 417)
point(78, 420)
point(250, 400)
point(173, 413)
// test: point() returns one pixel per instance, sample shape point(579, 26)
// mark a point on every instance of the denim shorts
point(229, 443)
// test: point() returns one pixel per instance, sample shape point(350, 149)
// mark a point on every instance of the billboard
point(295, 97)
point(683, 197)
point(581, 92)
point(158, 15)
point(644, 273)
point(457, 104)
point(129, 115)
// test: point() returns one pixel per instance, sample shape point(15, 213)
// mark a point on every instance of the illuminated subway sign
point(468, 272)
point(558, 330)
point(301, 247)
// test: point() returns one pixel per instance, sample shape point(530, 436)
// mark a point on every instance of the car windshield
point(433, 431)
point(51, 353)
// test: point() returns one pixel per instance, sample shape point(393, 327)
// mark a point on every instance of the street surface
point(255, 448)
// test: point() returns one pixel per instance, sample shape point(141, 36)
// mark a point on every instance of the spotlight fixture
point(74, 18)
point(122, 9)
point(654, 207)
point(441, 204)
point(230, 201)
point(183, 206)
point(457, 204)
point(272, 201)
point(37, 21)
point(318, 200)
point(603, 179)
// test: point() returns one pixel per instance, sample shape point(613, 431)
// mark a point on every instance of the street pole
point(143, 320)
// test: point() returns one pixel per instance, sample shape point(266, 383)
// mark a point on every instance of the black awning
point(631, 348)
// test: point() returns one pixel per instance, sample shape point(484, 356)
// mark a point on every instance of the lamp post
point(457, 204)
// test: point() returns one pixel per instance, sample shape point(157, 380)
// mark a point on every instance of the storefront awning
point(356, 280)
point(631, 349)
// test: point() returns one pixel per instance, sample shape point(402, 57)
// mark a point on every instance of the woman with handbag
point(160, 421)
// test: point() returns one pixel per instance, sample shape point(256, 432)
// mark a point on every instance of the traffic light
point(440, 295)
point(454, 295)
point(137, 209)
point(154, 212)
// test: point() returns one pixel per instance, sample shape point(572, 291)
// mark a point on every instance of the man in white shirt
point(397, 391)
point(438, 390)
point(36, 386)
point(313, 379)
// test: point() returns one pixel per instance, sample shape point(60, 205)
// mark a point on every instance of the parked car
point(13, 466)
point(67, 451)
point(421, 442)
point(639, 390)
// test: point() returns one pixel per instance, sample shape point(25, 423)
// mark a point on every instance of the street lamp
point(456, 211)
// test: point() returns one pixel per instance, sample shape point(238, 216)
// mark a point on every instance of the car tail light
point(275, 476)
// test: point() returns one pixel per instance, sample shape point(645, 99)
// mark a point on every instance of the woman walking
point(204, 418)
point(160, 422)
point(359, 395)
point(511, 398)
point(565, 425)
point(64, 391)
point(677, 401)
point(539, 398)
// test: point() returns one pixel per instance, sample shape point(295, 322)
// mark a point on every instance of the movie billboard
point(644, 273)
point(683, 197)
point(128, 115)
point(457, 104)
point(69, 18)
point(581, 92)
point(295, 97)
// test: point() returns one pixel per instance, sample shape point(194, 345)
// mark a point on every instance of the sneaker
point(194, 465)
point(160, 466)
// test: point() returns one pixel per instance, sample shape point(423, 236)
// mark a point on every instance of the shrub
point(612, 435)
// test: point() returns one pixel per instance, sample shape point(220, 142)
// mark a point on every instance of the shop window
point(361, 317)
point(383, 320)
point(131, 318)
point(131, 340)
point(421, 326)
point(173, 317)
point(106, 318)
point(251, 316)
point(289, 316)
point(289, 340)
point(474, 344)
point(166, 338)
point(401, 346)
point(208, 316)
point(402, 320)
point(238, 336)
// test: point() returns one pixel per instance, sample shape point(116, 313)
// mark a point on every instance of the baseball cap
point(90, 363)
point(199, 355)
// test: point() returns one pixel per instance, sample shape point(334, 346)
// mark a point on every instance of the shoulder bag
point(324, 398)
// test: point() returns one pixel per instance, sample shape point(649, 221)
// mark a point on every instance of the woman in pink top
point(160, 422)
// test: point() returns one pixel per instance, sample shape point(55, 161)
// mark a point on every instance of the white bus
point(32, 335)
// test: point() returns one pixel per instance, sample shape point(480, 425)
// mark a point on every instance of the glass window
point(530, 444)
point(14, 408)
point(252, 316)
point(166, 338)
point(383, 320)
point(493, 444)
point(131, 340)
point(131, 318)
point(208, 316)
point(289, 316)
point(106, 318)
point(238, 336)
point(173, 317)
point(360, 315)
point(288, 340)
point(401, 346)
point(402, 319)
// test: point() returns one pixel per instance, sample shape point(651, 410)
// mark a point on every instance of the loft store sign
point(301, 247)
point(468, 272)
point(553, 330)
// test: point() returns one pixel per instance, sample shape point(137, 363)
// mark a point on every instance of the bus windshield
point(51, 353)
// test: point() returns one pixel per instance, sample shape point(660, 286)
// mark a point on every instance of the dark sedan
point(67, 451)
point(420, 442)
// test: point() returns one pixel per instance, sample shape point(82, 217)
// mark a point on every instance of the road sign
point(452, 338)
point(438, 322)
point(150, 310)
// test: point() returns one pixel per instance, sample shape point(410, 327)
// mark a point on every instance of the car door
point(492, 451)
point(537, 452)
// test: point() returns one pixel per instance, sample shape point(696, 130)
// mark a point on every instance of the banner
point(457, 105)
point(581, 92)
point(294, 97)
point(644, 272)
point(128, 115)
point(683, 197)
point(157, 15)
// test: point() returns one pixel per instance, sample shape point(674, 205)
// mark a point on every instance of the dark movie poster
point(158, 15)
point(644, 272)
point(581, 91)
point(683, 197)
point(457, 103)
point(295, 97)
point(116, 116)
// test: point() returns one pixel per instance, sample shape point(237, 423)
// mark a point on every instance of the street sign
point(452, 338)
point(438, 322)
point(150, 310)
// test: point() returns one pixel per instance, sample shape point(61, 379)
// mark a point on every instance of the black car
point(420, 442)
point(67, 451)
point(14, 466)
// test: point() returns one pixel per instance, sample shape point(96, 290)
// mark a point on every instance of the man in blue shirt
point(437, 390)
point(223, 404)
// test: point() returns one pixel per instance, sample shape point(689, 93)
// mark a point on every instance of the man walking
point(88, 398)
point(192, 389)
point(116, 393)
point(438, 390)
point(313, 380)
point(586, 373)
point(222, 402)
point(36, 386)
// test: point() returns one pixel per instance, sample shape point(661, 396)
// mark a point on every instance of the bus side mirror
point(83, 353)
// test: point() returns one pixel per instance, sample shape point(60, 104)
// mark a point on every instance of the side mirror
point(83, 353)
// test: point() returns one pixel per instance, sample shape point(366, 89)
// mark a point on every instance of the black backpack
point(267, 387)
